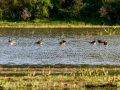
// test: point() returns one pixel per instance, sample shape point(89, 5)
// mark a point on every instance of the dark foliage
point(89, 11)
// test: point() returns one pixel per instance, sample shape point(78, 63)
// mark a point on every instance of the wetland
point(50, 66)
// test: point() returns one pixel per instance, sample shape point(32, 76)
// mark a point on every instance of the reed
point(82, 35)
point(49, 78)
point(88, 35)
point(100, 33)
point(14, 32)
point(62, 35)
point(33, 32)
point(110, 31)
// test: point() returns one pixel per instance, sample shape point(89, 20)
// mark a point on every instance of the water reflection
point(77, 51)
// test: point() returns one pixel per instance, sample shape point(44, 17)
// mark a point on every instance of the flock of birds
point(13, 43)
point(99, 41)
point(63, 42)
point(39, 42)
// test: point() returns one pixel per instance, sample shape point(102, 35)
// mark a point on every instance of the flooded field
point(77, 51)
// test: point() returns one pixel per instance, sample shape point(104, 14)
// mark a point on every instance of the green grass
point(110, 31)
point(55, 78)
point(55, 23)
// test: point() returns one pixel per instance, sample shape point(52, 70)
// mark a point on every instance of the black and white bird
point(100, 41)
point(11, 42)
point(39, 42)
point(93, 42)
point(105, 43)
point(63, 41)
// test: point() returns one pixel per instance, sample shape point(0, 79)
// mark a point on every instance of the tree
point(57, 8)
point(66, 8)
point(111, 11)
point(91, 8)
point(39, 8)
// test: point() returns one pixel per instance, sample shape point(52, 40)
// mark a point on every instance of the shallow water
point(76, 52)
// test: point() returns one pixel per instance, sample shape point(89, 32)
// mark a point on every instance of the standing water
point(76, 52)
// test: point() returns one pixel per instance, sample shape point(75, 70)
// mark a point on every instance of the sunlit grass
point(48, 23)
point(68, 78)
point(110, 31)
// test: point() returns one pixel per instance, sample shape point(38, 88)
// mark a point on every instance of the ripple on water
point(77, 50)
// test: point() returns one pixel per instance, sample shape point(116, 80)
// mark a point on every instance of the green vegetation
point(110, 31)
point(59, 78)
point(79, 12)
point(46, 23)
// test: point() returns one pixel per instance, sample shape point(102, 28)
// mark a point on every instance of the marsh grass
point(60, 78)
point(48, 23)
point(100, 33)
point(110, 31)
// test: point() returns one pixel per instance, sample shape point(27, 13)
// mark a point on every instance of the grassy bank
point(47, 23)
point(59, 78)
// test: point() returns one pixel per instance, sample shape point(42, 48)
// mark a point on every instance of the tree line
point(107, 11)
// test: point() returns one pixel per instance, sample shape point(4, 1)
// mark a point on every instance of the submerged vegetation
point(58, 78)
